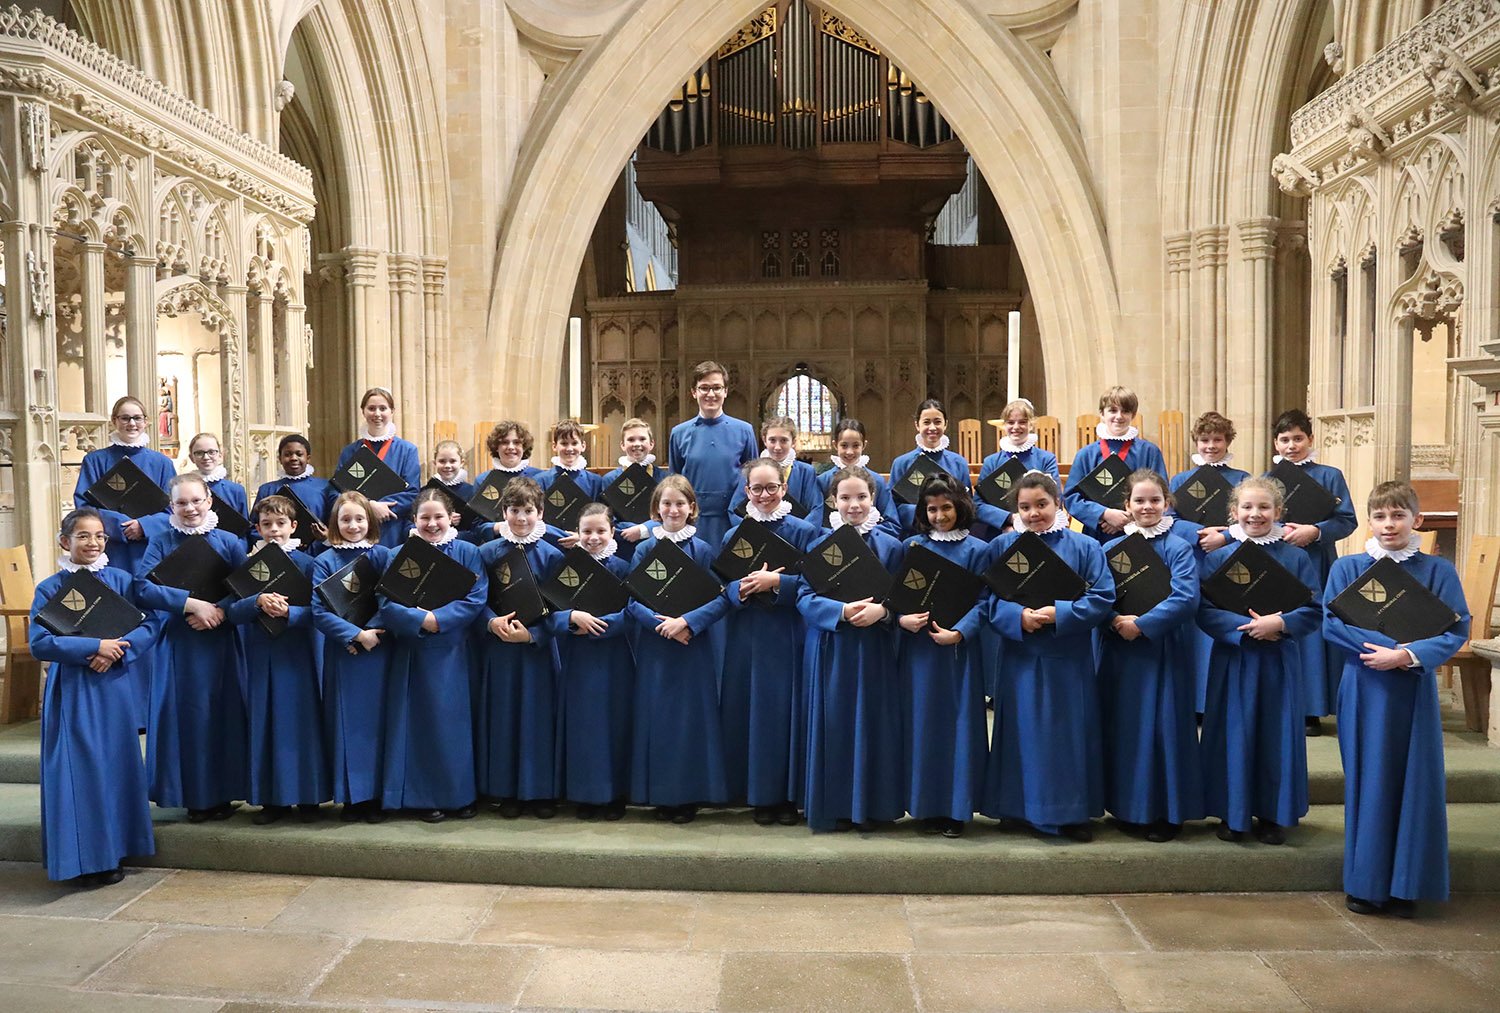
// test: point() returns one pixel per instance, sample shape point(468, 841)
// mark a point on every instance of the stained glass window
point(812, 406)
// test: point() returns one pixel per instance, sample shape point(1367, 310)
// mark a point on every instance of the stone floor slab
point(1360, 982)
point(239, 900)
point(827, 982)
point(421, 912)
point(801, 923)
point(1467, 922)
point(53, 999)
point(382, 970)
point(986, 983)
point(1018, 925)
point(1227, 982)
point(26, 890)
point(60, 951)
point(599, 979)
point(1240, 922)
point(597, 919)
point(227, 963)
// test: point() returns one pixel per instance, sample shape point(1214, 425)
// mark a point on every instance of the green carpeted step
point(20, 749)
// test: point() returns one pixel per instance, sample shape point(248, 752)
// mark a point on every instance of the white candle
point(575, 367)
point(1013, 358)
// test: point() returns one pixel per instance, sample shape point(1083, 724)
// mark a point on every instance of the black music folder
point(582, 582)
point(485, 502)
point(752, 546)
point(85, 606)
point(998, 487)
point(669, 582)
point(303, 520)
point(629, 495)
point(1307, 502)
point(935, 584)
point(271, 571)
point(366, 473)
point(1105, 485)
point(1387, 599)
point(467, 518)
point(1251, 580)
point(1143, 580)
point(231, 520)
point(843, 567)
point(908, 487)
point(126, 489)
point(349, 592)
point(1204, 497)
point(1032, 575)
point(513, 588)
point(423, 576)
point(565, 501)
point(193, 567)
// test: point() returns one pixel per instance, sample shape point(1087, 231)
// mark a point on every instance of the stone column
point(359, 278)
point(235, 371)
point(140, 325)
point(1207, 351)
point(439, 347)
point(298, 361)
point(1177, 378)
point(95, 390)
point(414, 354)
point(260, 337)
point(1249, 367)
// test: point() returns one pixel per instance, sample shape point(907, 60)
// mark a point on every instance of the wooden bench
point(1481, 569)
point(21, 696)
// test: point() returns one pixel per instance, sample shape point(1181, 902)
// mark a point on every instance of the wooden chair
point(1171, 437)
point(971, 440)
point(481, 459)
point(1481, 569)
point(602, 447)
point(444, 429)
point(1086, 430)
point(1048, 432)
point(21, 696)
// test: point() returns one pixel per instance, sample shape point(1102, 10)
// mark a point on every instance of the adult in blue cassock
point(1391, 741)
point(761, 695)
point(1135, 450)
point(1146, 694)
point(677, 750)
point(708, 449)
point(196, 741)
point(516, 694)
point(1045, 765)
point(950, 461)
point(429, 726)
point(95, 807)
point(128, 440)
point(354, 688)
point(288, 756)
point(1253, 744)
point(853, 708)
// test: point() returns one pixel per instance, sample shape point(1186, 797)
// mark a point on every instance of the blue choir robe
point(1234, 476)
point(197, 739)
point(95, 797)
point(1139, 453)
point(761, 695)
point(515, 697)
point(288, 755)
point(406, 461)
point(624, 548)
point(1253, 743)
point(677, 749)
point(709, 452)
point(853, 708)
point(1146, 696)
point(590, 483)
point(597, 677)
point(992, 522)
point(354, 687)
point(231, 494)
point(1046, 757)
point(1391, 741)
point(123, 553)
point(950, 461)
point(1321, 661)
point(429, 726)
point(890, 519)
point(1187, 532)
point(314, 492)
point(944, 740)
point(800, 481)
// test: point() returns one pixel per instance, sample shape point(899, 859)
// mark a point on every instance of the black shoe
point(309, 812)
point(1269, 833)
point(953, 829)
point(615, 810)
point(222, 812)
point(586, 811)
point(1133, 829)
point(843, 826)
point(934, 825)
point(1226, 834)
point(373, 813)
point(685, 814)
point(1008, 825)
point(786, 814)
point(466, 812)
point(1080, 832)
point(1360, 906)
point(1314, 727)
point(1161, 831)
point(544, 809)
point(352, 812)
point(108, 877)
point(764, 816)
point(199, 815)
point(269, 814)
point(664, 812)
point(433, 816)
point(1401, 908)
point(509, 808)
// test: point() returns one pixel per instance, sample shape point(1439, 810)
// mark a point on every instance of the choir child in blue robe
point(799, 481)
point(677, 756)
point(448, 468)
point(854, 756)
point(378, 406)
point(1390, 727)
point(931, 421)
point(294, 456)
point(127, 537)
point(639, 447)
point(515, 703)
point(288, 757)
point(95, 805)
point(761, 694)
point(509, 444)
point(207, 457)
point(568, 440)
point(429, 726)
point(355, 660)
point(597, 671)
point(1118, 437)
point(1321, 661)
point(1253, 746)
point(941, 674)
point(709, 448)
point(1046, 759)
point(1017, 443)
point(196, 742)
point(1152, 780)
point(849, 444)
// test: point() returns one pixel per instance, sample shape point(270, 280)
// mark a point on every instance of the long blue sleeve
point(1440, 578)
point(1094, 605)
point(1181, 605)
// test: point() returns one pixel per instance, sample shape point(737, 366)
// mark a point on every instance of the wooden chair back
point(1171, 437)
point(444, 429)
point(1086, 430)
point(21, 696)
point(602, 446)
point(481, 459)
point(1480, 573)
point(1048, 433)
point(971, 440)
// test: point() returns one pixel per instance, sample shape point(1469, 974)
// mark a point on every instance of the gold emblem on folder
point(742, 548)
point(568, 577)
point(1239, 574)
point(1373, 592)
point(260, 571)
point(75, 601)
point(357, 470)
point(1003, 480)
point(1019, 564)
point(656, 570)
point(490, 493)
point(503, 574)
point(557, 499)
point(351, 583)
point(627, 486)
point(116, 482)
point(833, 555)
point(410, 569)
point(1120, 562)
point(914, 477)
point(915, 580)
point(1107, 478)
point(1196, 490)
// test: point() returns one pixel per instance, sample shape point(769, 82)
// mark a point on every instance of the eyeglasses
point(130, 419)
point(215, 452)
point(710, 390)
point(764, 490)
point(199, 502)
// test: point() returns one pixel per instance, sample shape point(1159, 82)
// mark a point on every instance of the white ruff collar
point(459, 479)
point(1238, 534)
point(942, 446)
point(286, 546)
point(1277, 459)
point(582, 465)
point(956, 535)
point(1161, 527)
point(64, 563)
point(610, 548)
point(282, 476)
point(537, 531)
point(444, 539)
point(782, 509)
point(215, 474)
point(209, 523)
point(1130, 434)
point(864, 527)
point(389, 434)
point(645, 462)
point(863, 462)
point(1220, 463)
point(682, 534)
point(1375, 550)
point(116, 440)
point(363, 543)
point(1058, 523)
point(509, 471)
point(1017, 448)
point(786, 462)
